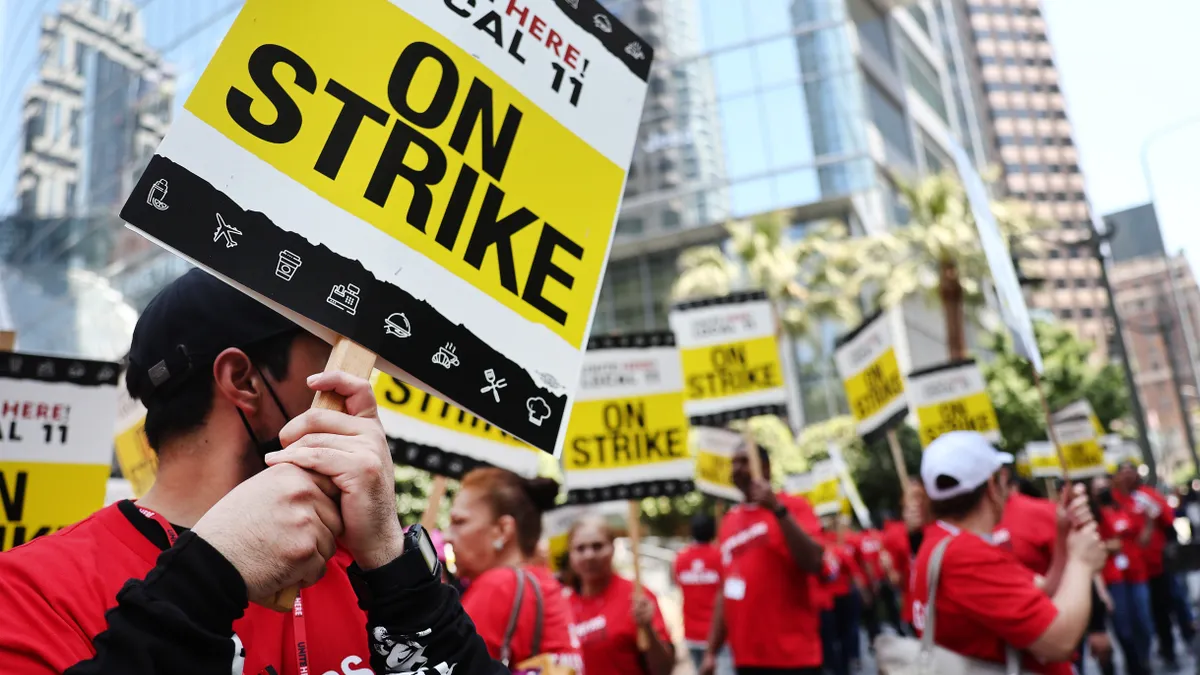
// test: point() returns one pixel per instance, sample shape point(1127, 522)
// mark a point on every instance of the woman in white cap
point(986, 602)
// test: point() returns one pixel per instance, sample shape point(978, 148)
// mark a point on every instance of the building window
point(872, 28)
point(918, 15)
point(630, 226)
point(1005, 140)
point(1012, 168)
point(1039, 196)
point(1066, 313)
point(1071, 168)
point(1055, 254)
point(1053, 168)
point(923, 77)
point(1060, 197)
point(987, 60)
point(1086, 312)
point(1079, 196)
point(1060, 283)
point(889, 119)
point(980, 34)
point(1010, 60)
point(1028, 141)
point(1081, 283)
point(1035, 168)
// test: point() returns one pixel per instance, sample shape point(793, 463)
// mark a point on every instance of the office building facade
point(1032, 135)
point(92, 119)
point(1159, 304)
point(801, 106)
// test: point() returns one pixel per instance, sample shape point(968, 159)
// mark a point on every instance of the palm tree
point(807, 280)
point(937, 254)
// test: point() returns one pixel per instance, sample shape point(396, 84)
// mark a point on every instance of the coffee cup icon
point(288, 264)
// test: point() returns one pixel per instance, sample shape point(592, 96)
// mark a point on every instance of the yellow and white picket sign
point(952, 397)
point(439, 437)
point(56, 424)
point(1024, 468)
point(1042, 460)
point(730, 358)
point(138, 461)
point(628, 436)
point(820, 485)
point(1079, 409)
point(436, 181)
point(1081, 448)
point(1118, 449)
point(866, 361)
point(713, 450)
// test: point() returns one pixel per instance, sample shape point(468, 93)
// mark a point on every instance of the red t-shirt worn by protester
point(771, 612)
point(895, 542)
point(1029, 529)
point(102, 552)
point(607, 632)
point(841, 557)
point(1127, 565)
point(985, 599)
point(870, 546)
point(698, 573)
point(489, 602)
point(1147, 503)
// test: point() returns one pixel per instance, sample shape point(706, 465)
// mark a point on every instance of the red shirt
point(1147, 503)
point(698, 573)
point(1127, 565)
point(840, 559)
point(869, 549)
point(1029, 529)
point(771, 610)
point(607, 633)
point(985, 599)
point(895, 542)
point(489, 603)
point(57, 588)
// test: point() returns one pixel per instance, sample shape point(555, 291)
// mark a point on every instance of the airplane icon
point(225, 232)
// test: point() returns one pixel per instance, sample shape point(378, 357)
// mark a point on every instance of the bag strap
point(1012, 657)
point(537, 624)
point(932, 574)
point(506, 646)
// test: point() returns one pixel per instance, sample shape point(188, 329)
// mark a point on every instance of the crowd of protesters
point(185, 580)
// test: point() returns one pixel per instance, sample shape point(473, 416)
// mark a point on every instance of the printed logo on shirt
point(405, 655)
point(740, 539)
point(699, 575)
point(348, 668)
point(584, 630)
point(1001, 536)
point(1145, 504)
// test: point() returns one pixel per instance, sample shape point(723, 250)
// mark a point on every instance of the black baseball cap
point(187, 325)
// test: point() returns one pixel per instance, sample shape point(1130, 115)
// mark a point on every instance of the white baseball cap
point(965, 456)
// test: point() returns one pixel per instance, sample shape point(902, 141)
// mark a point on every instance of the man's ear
point(236, 380)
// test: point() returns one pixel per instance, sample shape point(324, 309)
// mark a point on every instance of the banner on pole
point(628, 436)
point(952, 397)
point(1043, 460)
point(866, 361)
point(436, 181)
point(713, 450)
point(1013, 311)
point(439, 437)
point(730, 357)
point(56, 423)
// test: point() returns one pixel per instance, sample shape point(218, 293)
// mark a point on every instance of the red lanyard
point(301, 634)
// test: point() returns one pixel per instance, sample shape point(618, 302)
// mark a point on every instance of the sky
point(1128, 77)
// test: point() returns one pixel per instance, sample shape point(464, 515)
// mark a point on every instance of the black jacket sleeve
point(178, 620)
point(419, 627)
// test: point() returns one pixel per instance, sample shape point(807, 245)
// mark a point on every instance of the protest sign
point(1024, 468)
point(1013, 311)
point(437, 183)
point(866, 361)
point(1080, 409)
point(952, 397)
point(730, 358)
point(849, 488)
point(820, 485)
point(56, 422)
point(439, 437)
point(1042, 460)
point(1081, 448)
point(628, 436)
point(1118, 450)
point(713, 450)
point(138, 461)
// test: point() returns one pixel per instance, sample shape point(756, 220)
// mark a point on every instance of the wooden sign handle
point(348, 357)
point(437, 491)
point(756, 468)
point(898, 460)
point(635, 537)
point(1053, 435)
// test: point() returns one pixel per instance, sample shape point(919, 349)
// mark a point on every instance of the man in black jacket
point(166, 584)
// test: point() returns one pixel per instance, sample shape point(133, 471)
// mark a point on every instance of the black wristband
point(780, 511)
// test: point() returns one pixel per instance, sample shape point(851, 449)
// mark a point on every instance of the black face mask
point(272, 444)
point(1106, 497)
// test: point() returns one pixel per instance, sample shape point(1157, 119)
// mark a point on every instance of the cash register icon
point(344, 298)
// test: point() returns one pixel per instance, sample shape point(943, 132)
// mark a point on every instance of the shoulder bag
point(543, 664)
point(899, 655)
